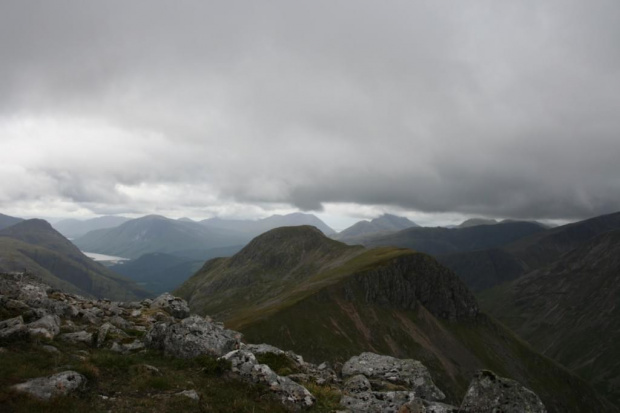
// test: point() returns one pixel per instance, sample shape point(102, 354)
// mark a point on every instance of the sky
point(435, 110)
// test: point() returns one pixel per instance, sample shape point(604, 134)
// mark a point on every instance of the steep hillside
point(158, 272)
point(156, 234)
point(252, 228)
point(384, 224)
point(7, 221)
point(35, 246)
point(569, 310)
point(452, 240)
point(292, 287)
point(472, 222)
point(75, 228)
point(484, 269)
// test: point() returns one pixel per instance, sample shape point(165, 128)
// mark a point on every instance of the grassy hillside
point(6, 221)
point(568, 311)
point(296, 289)
point(35, 246)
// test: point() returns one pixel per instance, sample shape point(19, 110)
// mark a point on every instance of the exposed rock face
point(175, 306)
point(60, 384)
point(377, 402)
point(47, 326)
point(13, 328)
point(290, 393)
point(192, 337)
point(489, 393)
point(385, 370)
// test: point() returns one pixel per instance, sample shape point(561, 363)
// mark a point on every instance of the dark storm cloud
point(483, 108)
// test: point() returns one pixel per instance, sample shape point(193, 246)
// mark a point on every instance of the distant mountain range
point(386, 223)
point(33, 245)
point(252, 228)
point(440, 240)
point(74, 228)
point(501, 263)
point(295, 288)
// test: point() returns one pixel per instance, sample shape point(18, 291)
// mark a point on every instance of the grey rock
point(189, 393)
point(192, 337)
point(45, 388)
point(262, 349)
point(389, 370)
point(136, 345)
point(50, 349)
point(79, 337)
point(47, 326)
point(103, 333)
point(16, 305)
point(291, 394)
point(120, 322)
point(489, 393)
point(376, 402)
point(13, 328)
point(357, 384)
point(174, 306)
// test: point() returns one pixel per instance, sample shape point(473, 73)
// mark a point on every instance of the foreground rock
point(192, 337)
point(489, 393)
point(174, 306)
point(385, 370)
point(45, 388)
point(290, 393)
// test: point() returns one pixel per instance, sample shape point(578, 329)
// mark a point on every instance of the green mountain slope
point(293, 287)
point(452, 240)
point(35, 246)
point(7, 221)
point(487, 268)
point(156, 234)
point(569, 310)
point(252, 228)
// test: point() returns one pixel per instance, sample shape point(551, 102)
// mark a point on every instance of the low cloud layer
point(236, 108)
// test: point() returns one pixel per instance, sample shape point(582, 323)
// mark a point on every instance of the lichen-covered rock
point(13, 328)
point(79, 337)
point(45, 388)
point(291, 394)
point(191, 337)
point(376, 402)
point(357, 384)
point(125, 348)
point(174, 306)
point(425, 406)
point(489, 393)
point(47, 326)
point(385, 369)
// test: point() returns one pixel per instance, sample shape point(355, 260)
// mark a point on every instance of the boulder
point(291, 394)
point(489, 393)
point(45, 388)
point(174, 306)
point(47, 326)
point(357, 384)
point(127, 347)
point(79, 337)
point(191, 337)
point(13, 328)
point(376, 402)
point(385, 370)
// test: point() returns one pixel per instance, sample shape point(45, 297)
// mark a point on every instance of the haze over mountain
point(74, 228)
point(252, 228)
point(488, 267)
point(384, 224)
point(568, 310)
point(7, 221)
point(33, 245)
point(155, 233)
point(295, 288)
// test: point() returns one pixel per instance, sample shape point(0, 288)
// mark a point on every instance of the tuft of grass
point(279, 363)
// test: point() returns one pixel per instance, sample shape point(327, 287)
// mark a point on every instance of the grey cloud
point(483, 108)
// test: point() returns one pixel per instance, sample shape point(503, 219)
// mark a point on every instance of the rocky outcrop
point(45, 388)
point(174, 306)
point(384, 371)
point(290, 393)
point(192, 337)
point(489, 393)
point(372, 382)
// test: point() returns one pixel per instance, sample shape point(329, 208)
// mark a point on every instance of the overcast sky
point(431, 109)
